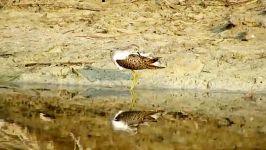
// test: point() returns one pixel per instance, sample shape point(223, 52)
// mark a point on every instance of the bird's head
point(132, 47)
point(112, 52)
point(119, 116)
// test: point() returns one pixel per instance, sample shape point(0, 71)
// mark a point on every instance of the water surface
point(50, 117)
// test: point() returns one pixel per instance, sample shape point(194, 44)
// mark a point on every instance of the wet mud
point(33, 117)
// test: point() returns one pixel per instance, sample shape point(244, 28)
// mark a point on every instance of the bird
point(130, 120)
point(135, 61)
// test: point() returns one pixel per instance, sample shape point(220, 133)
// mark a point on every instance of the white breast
point(121, 125)
point(120, 55)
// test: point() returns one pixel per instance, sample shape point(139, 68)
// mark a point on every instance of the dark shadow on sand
point(94, 74)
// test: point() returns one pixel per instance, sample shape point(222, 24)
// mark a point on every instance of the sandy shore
point(209, 45)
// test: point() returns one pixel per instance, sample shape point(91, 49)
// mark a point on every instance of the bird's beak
point(111, 53)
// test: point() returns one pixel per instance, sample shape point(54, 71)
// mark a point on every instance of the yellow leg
point(134, 98)
point(134, 80)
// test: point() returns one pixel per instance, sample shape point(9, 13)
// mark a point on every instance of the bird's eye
point(116, 119)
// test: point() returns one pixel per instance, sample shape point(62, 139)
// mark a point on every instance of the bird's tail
point(157, 114)
point(156, 65)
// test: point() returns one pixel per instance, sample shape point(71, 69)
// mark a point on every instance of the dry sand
point(206, 45)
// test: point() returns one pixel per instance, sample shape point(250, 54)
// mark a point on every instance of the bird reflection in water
point(129, 121)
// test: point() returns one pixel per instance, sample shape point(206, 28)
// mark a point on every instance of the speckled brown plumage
point(138, 62)
point(134, 118)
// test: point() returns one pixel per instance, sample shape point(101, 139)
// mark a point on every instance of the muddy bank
point(209, 45)
point(39, 118)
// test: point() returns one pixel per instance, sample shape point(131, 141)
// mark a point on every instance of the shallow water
point(50, 117)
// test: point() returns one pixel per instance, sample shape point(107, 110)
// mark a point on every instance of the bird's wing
point(139, 117)
point(133, 118)
point(137, 62)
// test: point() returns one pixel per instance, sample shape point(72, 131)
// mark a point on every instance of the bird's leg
point(133, 93)
point(134, 98)
point(133, 80)
point(135, 77)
